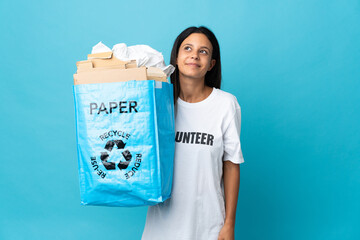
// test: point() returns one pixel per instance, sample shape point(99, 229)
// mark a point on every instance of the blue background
point(293, 65)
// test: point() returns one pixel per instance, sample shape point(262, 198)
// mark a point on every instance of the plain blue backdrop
point(294, 67)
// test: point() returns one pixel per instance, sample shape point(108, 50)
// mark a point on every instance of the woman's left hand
point(227, 233)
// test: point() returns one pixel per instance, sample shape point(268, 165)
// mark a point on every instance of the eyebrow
point(200, 46)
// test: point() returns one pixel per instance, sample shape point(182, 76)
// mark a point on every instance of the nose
point(195, 55)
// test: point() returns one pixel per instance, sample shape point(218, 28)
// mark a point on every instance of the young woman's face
point(194, 57)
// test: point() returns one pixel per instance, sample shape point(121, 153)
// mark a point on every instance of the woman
point(207, 151)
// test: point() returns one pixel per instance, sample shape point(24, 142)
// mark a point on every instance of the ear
point(212, 64)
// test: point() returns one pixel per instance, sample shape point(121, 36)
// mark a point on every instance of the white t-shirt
point(207, 133)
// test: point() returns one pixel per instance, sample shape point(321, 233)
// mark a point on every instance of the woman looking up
point(207, 147)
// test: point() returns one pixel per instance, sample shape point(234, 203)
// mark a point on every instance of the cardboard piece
point(110, 75)
point(105, 68)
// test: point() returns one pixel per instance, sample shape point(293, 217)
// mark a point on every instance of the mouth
point(192, 64)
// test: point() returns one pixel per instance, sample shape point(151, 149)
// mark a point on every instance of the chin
point(190, 74)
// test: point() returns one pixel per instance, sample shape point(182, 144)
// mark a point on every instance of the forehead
point(198, 40)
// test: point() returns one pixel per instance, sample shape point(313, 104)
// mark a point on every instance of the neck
point(193, 90)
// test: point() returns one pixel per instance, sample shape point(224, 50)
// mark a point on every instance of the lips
point(192, 64)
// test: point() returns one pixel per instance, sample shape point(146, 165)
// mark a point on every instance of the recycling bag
point(125, 142)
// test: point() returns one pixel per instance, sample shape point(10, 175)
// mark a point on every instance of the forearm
point(231, 176)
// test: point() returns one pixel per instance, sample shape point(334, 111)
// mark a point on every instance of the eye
point(203, 51)
point(187, 48)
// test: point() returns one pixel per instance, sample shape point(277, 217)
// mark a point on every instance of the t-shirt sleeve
point(231, 140)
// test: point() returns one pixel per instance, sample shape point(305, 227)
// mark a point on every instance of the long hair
point(212, 77)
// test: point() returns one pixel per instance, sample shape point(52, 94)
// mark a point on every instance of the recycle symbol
point(109, 147)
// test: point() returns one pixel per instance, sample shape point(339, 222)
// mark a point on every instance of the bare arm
point(231, 188)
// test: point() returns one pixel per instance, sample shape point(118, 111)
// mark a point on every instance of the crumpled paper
point(143, 54)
